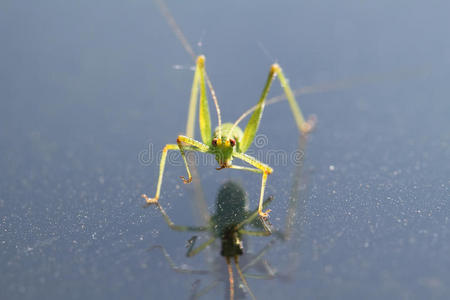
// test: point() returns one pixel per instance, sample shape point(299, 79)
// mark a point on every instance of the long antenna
point(253, 108)
point(184, 42)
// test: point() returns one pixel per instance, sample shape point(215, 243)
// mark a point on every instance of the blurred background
point(91, 91)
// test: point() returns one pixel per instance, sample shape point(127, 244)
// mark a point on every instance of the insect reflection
point(230, 223)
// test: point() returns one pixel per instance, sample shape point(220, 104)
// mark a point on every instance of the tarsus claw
point(189, 180)
point(309, 125)
point(265, 214)
point(149, 201)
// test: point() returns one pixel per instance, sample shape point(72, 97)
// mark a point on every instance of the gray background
point(85, 86)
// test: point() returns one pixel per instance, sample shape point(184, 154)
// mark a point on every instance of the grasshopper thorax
point(225, 141)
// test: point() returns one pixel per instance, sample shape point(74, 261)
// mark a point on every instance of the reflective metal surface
point(90, 92)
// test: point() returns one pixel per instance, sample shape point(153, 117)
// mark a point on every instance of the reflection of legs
point(192, 251)
point(256, 233)
point(291, 219)
point(299, 183)
point(251, 217)
point(244, 281)
point(173, 225)
point(204, 290)
point(176, 268)
point(256, 259)
point(230, 277)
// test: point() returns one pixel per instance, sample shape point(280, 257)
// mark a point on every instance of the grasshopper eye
point(232, 142)
point(214, 142)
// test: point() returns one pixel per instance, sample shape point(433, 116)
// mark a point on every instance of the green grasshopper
point(227, 141)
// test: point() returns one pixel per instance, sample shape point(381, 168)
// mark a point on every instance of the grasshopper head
point(223, 149)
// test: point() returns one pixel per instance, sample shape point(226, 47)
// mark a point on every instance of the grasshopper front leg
point(179, 146)
point(260, 168)
point(162, 165)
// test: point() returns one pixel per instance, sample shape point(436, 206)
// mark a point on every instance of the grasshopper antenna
point(175, 28)
point(184, 42)
point(266, 52)
point(200, 41)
